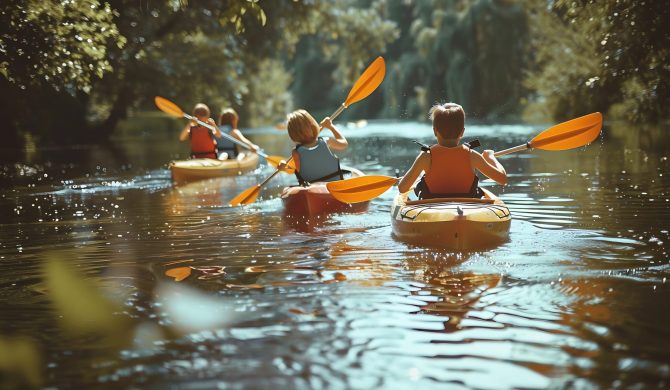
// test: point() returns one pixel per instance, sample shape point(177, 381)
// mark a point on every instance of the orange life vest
point(450, 171)
point(203, 144)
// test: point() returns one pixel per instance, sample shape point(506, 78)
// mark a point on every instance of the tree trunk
point(118, 112)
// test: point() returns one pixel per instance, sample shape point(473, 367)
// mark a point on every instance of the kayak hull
point(184, 171)
point(316, 200)
point(459, 224)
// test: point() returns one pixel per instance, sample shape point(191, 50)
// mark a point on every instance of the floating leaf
point(252, 285)
point(210, 272)
point(179, 273)
point(297, 310)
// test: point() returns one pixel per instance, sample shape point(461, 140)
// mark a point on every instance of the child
point(450, 168)
point(203, 144)
point(228, 124)
point(313, 158)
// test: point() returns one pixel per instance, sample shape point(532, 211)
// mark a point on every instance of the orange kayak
point(316, 200)
point(207, 168)
point(453, 223)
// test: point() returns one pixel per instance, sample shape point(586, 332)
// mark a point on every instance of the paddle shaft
point(227, 136)
point(515, 149)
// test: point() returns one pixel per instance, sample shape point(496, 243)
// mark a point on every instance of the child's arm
point(183, 136)
point(217, 132)
point(487, 164)
point(237, 134)
point(421, 164)
point(337, 143)
point(296, 160)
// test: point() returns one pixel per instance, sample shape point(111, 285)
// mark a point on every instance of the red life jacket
point(203, 144)
point(450, 171)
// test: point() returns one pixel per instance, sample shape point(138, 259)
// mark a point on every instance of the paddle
point(172, 109)
point(567, 135)
point(364, 86)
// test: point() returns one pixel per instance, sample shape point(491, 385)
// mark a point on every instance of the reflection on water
point(188, 291)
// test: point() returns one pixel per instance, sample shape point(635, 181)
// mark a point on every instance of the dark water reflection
point(576, 297)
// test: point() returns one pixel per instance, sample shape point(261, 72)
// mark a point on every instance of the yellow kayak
point(206, 168)
point(453, 223)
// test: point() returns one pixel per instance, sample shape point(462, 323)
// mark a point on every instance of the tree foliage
point(601, 55)
point(71, 69)
point(210, 51)
point(58, 43)
point(468, 52)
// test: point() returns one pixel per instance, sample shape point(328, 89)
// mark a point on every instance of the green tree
point(471, 52)
point(210, 51)
point(50, 49)
point(603, 55)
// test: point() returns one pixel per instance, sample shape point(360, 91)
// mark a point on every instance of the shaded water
point(576, 297)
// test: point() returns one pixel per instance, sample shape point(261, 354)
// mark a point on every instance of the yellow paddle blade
point(276, 160)
point(571, 134)
point(168, 107)
point(246, 197)
point(367, 82)
point(360, 189)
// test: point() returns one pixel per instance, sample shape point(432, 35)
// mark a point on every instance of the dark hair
point(448, 119)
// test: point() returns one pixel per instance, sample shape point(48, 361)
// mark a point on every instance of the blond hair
point(302, 127)
point(448, 119)
point(229, 117)
point(201, 110)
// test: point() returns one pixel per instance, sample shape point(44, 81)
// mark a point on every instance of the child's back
point(313, 157)
point(228, 148)
point(450, 168)
point(203, 143)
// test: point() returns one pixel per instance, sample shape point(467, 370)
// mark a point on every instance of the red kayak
point(316, 200)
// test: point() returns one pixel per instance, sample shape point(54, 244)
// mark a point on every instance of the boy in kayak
point(228, 125)
point(203, 144)
point(450, 168)
point(312, 155)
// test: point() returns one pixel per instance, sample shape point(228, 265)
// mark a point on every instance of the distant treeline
point(70, 71)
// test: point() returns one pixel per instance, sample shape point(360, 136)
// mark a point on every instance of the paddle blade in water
point(246, 197)
point(168, 107)
point(276, 160)
point(367, 82)
point(571, 134)
point(360, 189)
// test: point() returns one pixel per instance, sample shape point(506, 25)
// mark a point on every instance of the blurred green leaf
point(20, 363)
point(80, 305)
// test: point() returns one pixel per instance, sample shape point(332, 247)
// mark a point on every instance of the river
point(94, 242)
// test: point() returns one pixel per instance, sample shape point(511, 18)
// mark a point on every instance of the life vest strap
point(423, 192)
point(339, 173)
point(471, 145)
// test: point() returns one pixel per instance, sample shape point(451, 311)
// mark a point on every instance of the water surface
point(576, 297)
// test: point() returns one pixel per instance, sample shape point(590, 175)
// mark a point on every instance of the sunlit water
point(578, 296)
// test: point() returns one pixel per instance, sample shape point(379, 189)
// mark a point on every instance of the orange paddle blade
point(276, 160)
point(246, 197)
point(367, 82)
point(360, 189)
point(571, 134)
point(168, 107)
